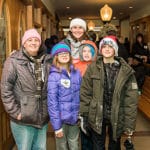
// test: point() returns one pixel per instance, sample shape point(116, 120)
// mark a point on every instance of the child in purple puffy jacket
point(63, 98)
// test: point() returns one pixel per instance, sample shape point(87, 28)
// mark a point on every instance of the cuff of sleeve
point(57, 131)
point(129, 132)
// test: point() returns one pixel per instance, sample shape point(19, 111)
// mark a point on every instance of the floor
point(141, 138)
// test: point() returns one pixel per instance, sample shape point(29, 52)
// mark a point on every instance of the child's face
point(63, 57)
point(87, 55)
point(107, 51)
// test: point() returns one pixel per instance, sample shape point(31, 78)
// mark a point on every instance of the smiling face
point(77, 31)
point(107, 51)
point(32, 46)
point(63, 57)
point(86, 53)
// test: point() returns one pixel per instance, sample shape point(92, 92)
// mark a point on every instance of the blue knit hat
point(60, 47)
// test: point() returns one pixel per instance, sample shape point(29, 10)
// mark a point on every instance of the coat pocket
point(29, 109)
point(92, 112)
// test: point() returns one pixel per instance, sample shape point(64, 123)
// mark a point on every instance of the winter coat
point(139, 49)
point(63, 97)
point(18, 90)
point(82, 66)
point(124, 102)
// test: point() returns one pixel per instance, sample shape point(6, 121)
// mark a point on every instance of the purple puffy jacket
point(63, 97)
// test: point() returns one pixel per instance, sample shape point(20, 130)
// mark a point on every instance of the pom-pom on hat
point(30, 34)
point(79, 22)
point(60, 47)
point(111, 41)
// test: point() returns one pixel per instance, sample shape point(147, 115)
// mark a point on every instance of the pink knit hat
point(30, 34)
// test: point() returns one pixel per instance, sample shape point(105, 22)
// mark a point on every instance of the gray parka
point(18, 90)
point(124, 102)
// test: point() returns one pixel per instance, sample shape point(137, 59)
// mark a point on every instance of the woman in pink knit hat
point(23, 92)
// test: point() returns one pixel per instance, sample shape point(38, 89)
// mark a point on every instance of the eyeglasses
point(63, 54)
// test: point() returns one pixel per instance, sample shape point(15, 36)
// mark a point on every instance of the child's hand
point(59, 133)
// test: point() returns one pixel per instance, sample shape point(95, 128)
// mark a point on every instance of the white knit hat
point(79, 22)
point(111, 41)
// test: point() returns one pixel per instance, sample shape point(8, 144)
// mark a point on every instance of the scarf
point(74, 47)
point(37, 61)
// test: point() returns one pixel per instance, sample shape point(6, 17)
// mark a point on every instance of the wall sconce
point(91, 25)
point(106, 13)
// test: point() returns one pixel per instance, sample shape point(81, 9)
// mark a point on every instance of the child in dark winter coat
point(63, 98)
point(108, 97)
point(87, 53)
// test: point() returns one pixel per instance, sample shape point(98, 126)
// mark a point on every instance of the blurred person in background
point(140, 49)
point(50, 42)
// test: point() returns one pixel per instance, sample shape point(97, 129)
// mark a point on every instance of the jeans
point(99, 139)
point(28, 137)
point(70, 140)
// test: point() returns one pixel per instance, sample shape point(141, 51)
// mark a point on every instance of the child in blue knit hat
point(63, 98)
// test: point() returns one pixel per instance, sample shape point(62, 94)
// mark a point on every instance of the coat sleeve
point(130, 104)
point(53, 101)
point(86, 92)
point(8, 80)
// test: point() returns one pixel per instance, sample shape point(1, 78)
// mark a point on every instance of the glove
point(84, 125)
point(128, 145)
point(128, 142)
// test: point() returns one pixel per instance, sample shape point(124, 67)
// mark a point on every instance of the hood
point(92, 46)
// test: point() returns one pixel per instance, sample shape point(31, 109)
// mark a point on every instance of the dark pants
point(99, 140)
point(86, 142)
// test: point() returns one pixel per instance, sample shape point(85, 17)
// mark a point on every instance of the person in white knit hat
point(108, 97)
point(76, 36)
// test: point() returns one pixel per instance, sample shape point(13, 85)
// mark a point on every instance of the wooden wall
point(19, 15)
point(12, 9)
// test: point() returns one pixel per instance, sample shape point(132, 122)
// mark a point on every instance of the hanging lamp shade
point(106, 13)
point(91, 25)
